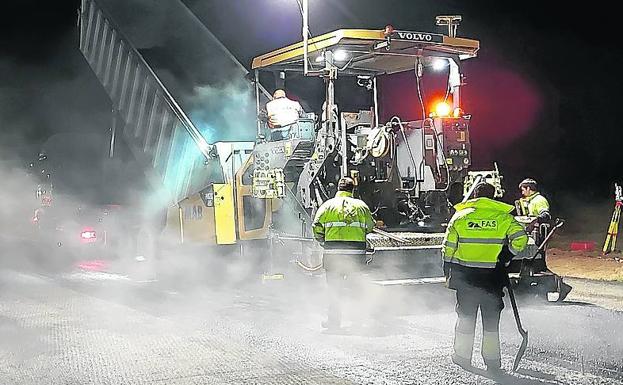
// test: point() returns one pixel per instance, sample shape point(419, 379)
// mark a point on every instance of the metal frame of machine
point(419, 164)
point(404, 170)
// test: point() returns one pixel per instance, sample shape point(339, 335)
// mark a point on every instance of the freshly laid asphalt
point(89, 327)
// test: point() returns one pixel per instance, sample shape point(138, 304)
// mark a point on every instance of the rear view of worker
point(475, 245)
point(282, 113)
point(341, 225)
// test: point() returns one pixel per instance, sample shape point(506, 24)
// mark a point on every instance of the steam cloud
point(207, 82)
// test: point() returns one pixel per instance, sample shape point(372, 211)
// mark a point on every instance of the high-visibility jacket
point(534, 205)
point(342, 220)
point(479, 230)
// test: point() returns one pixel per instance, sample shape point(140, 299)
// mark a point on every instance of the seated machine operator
point(282, 113)
point(535, 208)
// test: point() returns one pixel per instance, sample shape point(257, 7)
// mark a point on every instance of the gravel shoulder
point(608, 295)
point(586, 264)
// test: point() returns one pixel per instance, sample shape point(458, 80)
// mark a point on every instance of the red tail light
point(88, 236)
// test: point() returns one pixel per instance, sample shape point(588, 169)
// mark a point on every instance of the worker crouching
point(474, 256)
point(341, 225)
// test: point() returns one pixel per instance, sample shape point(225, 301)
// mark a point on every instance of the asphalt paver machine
point(409, 172)
point(258, 198)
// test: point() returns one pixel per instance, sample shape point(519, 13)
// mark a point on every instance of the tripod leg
point(615, 231)
point(604, 250)
point(606, 247)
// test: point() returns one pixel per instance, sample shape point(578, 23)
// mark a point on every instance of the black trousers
point(469, 299)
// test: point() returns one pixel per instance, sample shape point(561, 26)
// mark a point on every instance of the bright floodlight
point(439, 64)
point(319, 58)
point(340, 55)
point(442, 109)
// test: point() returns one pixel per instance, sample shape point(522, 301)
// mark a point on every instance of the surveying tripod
point(613, 229)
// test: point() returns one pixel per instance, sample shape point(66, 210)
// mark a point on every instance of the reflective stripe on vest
point(453, 245)
point(488, 241)
point(344, 224)
point(485, 265)
point(478, 232)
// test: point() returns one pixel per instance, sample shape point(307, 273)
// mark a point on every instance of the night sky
point(543, 92)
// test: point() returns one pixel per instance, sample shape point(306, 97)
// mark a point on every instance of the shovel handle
point(511, 295)
point(522, 331)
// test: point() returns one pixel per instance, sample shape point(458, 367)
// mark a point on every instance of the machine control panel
point(456, 144)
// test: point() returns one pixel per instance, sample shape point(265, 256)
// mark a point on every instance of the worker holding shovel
point(478, 233)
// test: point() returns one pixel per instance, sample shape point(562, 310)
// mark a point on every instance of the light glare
point(439, 64)
point(442, 109)
point(340, 55)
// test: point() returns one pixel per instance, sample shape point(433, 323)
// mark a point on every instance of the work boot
point(462, 362)
point(494, 369)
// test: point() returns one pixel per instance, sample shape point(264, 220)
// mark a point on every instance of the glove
point(505, 256)
point(544, 217)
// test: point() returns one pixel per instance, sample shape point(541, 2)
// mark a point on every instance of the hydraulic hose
point(440, 150)
point(415, 167)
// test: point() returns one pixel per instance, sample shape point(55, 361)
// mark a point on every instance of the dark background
point(543, 93)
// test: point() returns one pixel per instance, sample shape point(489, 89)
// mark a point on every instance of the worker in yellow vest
point(341, 225)
point(475, 245)
point(532, 203)
point(533, 208)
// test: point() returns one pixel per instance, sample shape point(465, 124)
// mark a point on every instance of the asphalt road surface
point(86, 327)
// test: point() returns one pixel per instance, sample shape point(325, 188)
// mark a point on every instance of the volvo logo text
point(415, 36)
